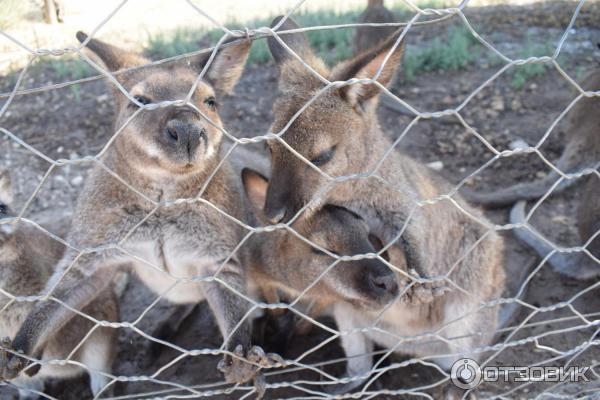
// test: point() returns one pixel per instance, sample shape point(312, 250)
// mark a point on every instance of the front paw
point(244, 367)
point(10, 364)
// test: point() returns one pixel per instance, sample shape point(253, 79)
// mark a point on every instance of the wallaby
point(270, 255)
point(576, 265)
point(28, 258)
point(581, 151)
point(447, 242)
point(165, 154)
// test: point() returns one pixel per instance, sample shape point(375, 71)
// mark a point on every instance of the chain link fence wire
point(532, 318)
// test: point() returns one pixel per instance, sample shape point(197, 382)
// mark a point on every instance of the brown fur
point(581, 151)
point(340, 134)
point(165, 154)
point(270, 254)
point(28, 258)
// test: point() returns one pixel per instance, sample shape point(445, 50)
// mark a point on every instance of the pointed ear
point(113, 57)
point(292, 73)
point(255, 186)
point(366, 65)
point(6, 193)
point(295, 41)
point(228, 65)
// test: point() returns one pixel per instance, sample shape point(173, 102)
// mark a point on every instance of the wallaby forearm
point(75, 291)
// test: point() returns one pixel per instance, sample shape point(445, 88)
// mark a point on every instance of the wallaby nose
point(275, 215)
point(186, 136)
point(384, 285)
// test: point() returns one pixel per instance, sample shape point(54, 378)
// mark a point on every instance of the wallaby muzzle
point(185, 137)
point(375, 281)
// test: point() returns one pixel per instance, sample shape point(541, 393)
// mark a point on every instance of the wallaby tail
point(578, 266)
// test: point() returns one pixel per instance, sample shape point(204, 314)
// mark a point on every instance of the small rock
point(518, 144)
point(436, 165)
point(540, 174)
point(497, 103)
point(77, 181)
point(516, 105)
point(532, 87)
point(102, 98)
point(60, 149)
point(561, 219)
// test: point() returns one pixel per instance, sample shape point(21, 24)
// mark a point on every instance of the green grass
point(451, 54)
point(521, 74)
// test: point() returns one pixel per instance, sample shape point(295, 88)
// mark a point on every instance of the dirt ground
point(68, 124)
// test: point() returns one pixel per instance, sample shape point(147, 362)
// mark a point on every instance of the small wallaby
point(183, 250)
point(28, 258)
point(576, 265)
point(358, 292)
point(279, 260)
point(447, 242)
point(581, 151)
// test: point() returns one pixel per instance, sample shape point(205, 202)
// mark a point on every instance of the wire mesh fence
point(450, 302)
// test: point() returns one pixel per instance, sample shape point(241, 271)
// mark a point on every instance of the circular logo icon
point(465, 373)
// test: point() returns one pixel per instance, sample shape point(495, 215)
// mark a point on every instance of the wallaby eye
point(324, 157)
point(211, 102)
point(143, 100)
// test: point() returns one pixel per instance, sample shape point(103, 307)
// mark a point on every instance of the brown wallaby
point(581, 151)
point(179, 245)
point(576, 265)
point(446, 243)
point(28, 258)
point(270, 254)
point(357, 302)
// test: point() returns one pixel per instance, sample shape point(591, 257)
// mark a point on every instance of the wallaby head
point(294, 264)
point(335, 131)
point(173, 140)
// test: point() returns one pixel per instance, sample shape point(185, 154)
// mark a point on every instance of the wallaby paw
point(10, 365)
point(423, 293)
point(244, 367)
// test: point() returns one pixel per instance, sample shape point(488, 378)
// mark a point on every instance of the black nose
point(384, 284)
point(275, 215)
point(185, 135)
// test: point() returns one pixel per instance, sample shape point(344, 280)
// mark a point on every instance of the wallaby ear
point(255, 186)
point(366, 65)
point(295, 41)
point(228, 65)
point(292, 73)
point(113, 57)
point(6, 193)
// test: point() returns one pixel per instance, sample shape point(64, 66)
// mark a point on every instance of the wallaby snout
point(374, 283)
point(382, 283)
point(185, 138)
